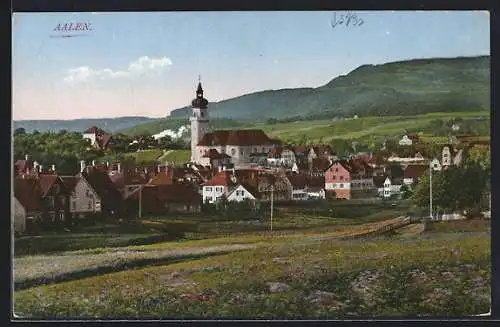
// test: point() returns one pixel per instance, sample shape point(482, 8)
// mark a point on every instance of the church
point(232, 146)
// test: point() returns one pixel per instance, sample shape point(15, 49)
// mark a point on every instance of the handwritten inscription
point(346, 19)
point(72, 27)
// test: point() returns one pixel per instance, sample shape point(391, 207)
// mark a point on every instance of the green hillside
point(397, 88)
point(174, 123)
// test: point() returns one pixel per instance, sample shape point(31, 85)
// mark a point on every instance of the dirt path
point(165, 153)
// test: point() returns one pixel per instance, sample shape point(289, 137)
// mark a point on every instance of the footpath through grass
point(445, 274)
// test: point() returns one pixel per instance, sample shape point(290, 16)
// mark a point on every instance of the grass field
point(281, 278)
point(362, 127)
point(145, 156)
point(177, 156)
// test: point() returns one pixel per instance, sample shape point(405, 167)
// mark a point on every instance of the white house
point(405, 140)
point(218, 186)
point(408, 160)
point(19, 217)
point(436, 165)
point(316, 194)
point(281, 157)
point(446, 156)
point(239, 194)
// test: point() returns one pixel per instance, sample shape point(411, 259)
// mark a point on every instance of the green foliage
point(454, 189)
point(63, 149)
point(406, 192)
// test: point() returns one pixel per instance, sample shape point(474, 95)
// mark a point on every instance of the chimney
point(107, 164)
point(159, 169)
point(93, 162)
point(220, 169)
point(53, 168)
point(82, 166)
point(26, 157)
point(119, 166)
point(40, 168)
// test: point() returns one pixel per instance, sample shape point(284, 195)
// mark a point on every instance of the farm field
point(288, 274)
point(145, 156)
point(177, 156)
point(362, 127)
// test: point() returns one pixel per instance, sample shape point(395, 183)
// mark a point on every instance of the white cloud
point(142, 66)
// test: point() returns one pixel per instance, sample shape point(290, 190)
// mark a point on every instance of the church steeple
point(199, 101)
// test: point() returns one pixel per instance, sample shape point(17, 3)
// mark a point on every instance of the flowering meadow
point(293, 276)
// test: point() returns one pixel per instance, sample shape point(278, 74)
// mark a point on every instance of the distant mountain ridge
point(79, 125)
point(397, 88)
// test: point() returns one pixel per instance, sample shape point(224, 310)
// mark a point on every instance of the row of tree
point(457, 189)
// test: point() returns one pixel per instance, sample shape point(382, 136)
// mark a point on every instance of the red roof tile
point(244, 137)
point(222, 178)
point(414, 171)
point(28, 193)
point(70, 182)
point(94, 130)
point(214, 154)
point(320, 163)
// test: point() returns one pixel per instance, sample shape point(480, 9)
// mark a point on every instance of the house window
point(209, 189)
point(341, 178)
point(334, 177)
point(254, 149)
point(341, 186)
point(233, 152)
point(241, 152)
point(90, 204)
point(73, 205)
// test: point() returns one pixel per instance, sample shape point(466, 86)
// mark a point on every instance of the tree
point(19, 131)
point(406, 192)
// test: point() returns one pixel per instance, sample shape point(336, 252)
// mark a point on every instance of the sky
point(149, 63)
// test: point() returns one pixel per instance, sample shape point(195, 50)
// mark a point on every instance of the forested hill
point(397, 88)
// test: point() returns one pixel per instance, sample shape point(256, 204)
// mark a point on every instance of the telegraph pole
point(272, 199)
point(430, 191)
point(140, 201)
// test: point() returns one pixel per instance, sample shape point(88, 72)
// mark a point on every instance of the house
point(29, 209)
point(163, 199)
point(306, 187)
point(281, 156)
point(219, 186)
point(414, 157)
point(241, 193)
point(238, 144)
point(276, 185)
point(97, 137)
point(301, 157)
point(436, 165)
point(19, 220)
point(97, 177)
point(409, 139)
point(318, 166)
point(215, 159)
point(321, 151)
point(413, 173)
point(84, 200)
point(349, 179)
point(446, 155)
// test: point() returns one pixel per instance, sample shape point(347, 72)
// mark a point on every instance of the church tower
point(199, 122)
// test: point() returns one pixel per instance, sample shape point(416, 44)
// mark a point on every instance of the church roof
point(199, 101)
point(246, 137)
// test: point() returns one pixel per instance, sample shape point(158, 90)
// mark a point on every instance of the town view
point(251, 165)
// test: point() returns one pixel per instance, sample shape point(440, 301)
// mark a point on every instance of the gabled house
point(30, 209)
point(84, 200)
point(349, 179)
point(436, 165)
point(320, 151)
point(301, 157)
point(101, 183)
point(214, 159)
point(275, 184)
point(281, 156)
point(413, 173)
point(55, 197)
point(97, 137)
point(409, 139)
point(446, 155)
point(241, 193)
point(161, 199)
point(306, 187)
point(218, 186)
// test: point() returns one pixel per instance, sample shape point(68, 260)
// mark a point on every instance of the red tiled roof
point(222, 178)
point(47, 182)
point(94, 130)
point(298, 181)
point(214, 154)
point(102, 184)
point(70, 182)
point(275, 152)
point(301, 149)
point(322, 149)
point(414, 171)
point(244, 137)
point(104, 140)
point(28, 193)
point(320, 163)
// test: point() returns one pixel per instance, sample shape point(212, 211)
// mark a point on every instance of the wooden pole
point(272, 199)
point(430, 192)
point(140, 201)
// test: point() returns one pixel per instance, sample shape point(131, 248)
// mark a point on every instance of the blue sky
point(148, 63)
